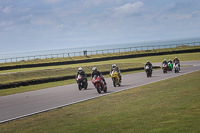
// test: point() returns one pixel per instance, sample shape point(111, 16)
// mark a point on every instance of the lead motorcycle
point(148, 71)
point(82, 82)
point(99, 84)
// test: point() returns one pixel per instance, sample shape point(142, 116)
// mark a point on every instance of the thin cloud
point(7, 9)
point(128, 9)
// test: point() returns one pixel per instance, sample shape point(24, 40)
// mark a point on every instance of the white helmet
point(164, 59)
point(147, 61)
point(114, 65)
point(94, 68)
point(176, 57)
point(169, 59)
point(80, 69)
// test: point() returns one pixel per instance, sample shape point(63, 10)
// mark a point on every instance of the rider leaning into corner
point(97, 73)
point(176, 60)
point(148, 64)
point(82, 73)
point(114, 66)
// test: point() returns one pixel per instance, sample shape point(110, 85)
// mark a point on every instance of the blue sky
point(27, 25)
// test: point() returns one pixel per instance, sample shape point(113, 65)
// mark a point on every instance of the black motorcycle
point(148, 71)
point(82, 82)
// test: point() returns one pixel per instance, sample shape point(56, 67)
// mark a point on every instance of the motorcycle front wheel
point(98, 89)
point(80, 86)
point(114, 82)
point(86, 85)
point(105, 89)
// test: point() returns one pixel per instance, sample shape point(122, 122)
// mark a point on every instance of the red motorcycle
point(164, 68)
point(99, 84)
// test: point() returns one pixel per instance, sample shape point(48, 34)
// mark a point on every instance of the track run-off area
point(25, 104)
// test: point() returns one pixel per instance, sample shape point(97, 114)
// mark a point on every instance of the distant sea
point(100, 47)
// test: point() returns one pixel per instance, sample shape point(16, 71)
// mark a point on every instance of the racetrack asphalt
point(25, 104)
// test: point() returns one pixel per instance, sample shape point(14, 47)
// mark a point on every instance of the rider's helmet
point(80, 69)
point(170, 60)
point(147, 61)
point(176, 57)
point(114, 65)
point(94, 69)
point(164, 59)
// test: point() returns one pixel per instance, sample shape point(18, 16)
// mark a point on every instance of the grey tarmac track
point(25, 104)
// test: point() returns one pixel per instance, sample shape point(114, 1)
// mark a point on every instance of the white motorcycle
point(176, 68)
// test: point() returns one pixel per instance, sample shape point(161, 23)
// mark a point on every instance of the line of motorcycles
point(170, 67)
point(98, 82)
point(101, 87)
point(165, 68)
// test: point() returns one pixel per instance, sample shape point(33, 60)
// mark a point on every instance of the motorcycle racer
point(170, 61)
point(81, 72)
point(114, 67)
point(176, 60)
point(148, 64)
point(170, 65)
point(97, 73)
point(164, 62)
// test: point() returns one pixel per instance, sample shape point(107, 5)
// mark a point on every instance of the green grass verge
point(166, 106)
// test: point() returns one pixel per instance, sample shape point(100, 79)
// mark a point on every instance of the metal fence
point(95, 52)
